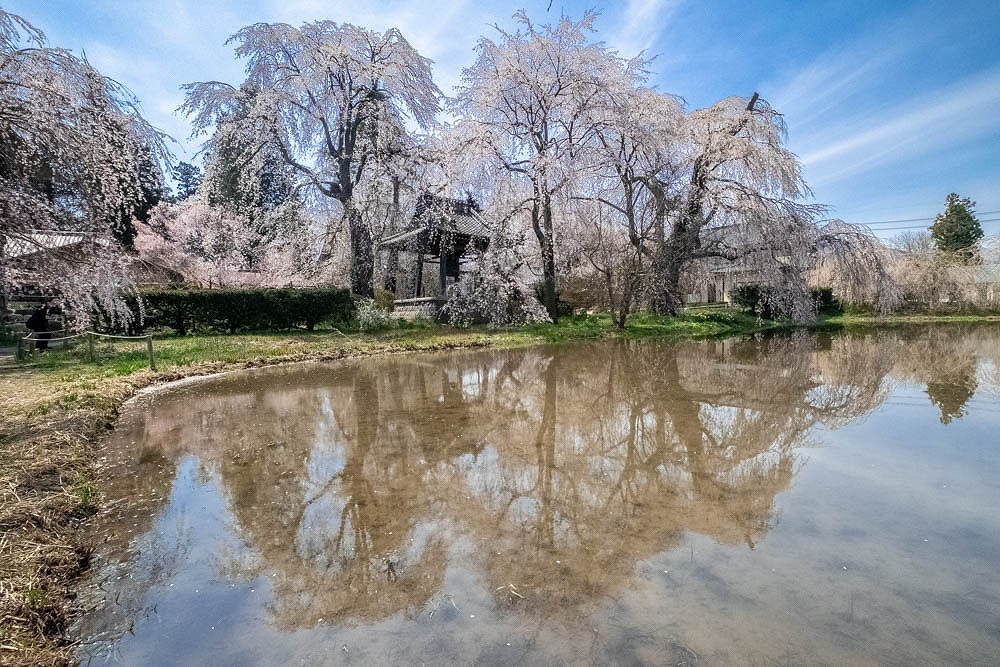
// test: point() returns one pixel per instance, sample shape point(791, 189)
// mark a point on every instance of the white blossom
point(333, 100)
point(72, 146)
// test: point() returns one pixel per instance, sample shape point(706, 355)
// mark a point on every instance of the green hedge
point(758, 299)
point(7, 335)
point(236, 310)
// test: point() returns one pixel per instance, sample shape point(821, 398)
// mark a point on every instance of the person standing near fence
point(39, 324)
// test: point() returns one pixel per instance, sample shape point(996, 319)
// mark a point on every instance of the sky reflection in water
point(794, 498)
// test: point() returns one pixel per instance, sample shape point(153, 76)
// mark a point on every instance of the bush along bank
point(185, 310)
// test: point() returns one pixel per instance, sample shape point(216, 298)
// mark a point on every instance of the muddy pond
point(804, 498)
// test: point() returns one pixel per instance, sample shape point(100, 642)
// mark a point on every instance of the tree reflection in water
point(550, 472)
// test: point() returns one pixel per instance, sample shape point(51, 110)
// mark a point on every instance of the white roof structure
point(35, 242)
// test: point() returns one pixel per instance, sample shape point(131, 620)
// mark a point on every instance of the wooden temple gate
point(427, 258)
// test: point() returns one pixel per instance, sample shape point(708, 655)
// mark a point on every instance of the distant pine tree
point(957, 231)
point(188, 178)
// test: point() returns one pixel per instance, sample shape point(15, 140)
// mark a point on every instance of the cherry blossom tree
point(716, 189)
point(215, 246)
point(739, 199)
point(75, 157)
point(248, 181)
point(333, 100)
point(742, 205)
point(621, 191)
point(495, 295)
point(526, 99)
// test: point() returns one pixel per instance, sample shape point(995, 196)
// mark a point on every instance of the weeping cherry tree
point(333, 101)
point(620, 196)
point(75, 158)
point(737, 201)
point(526, 100)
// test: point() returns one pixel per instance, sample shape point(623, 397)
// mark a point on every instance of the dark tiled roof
point(440, 214)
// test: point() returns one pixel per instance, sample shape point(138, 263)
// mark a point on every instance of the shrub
point(236, 310)
point(131, 324)
point(563, 308)
point(756, 298)
point(496, 298)
point(825, 302)
point(762, 299)
point(179, 310)
point(7, 336)
point(371, 316)
point(385, 300)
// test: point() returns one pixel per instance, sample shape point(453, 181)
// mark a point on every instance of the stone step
point(422, 311)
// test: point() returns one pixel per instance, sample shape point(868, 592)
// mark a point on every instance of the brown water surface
point(805, 498)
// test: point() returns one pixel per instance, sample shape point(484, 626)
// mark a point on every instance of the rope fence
point(30, 342)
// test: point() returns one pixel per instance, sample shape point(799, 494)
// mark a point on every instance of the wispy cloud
point(911, 128)
point(824, 88)
point(445, 31)
point(881, 133)
point(642, 22)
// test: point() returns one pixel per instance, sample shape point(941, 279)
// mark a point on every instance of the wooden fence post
point(90, 345)
point(149, 351)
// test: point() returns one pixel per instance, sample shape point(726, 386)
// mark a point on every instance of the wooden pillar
point(420, 275)
point(149, 352)
point(442, 268)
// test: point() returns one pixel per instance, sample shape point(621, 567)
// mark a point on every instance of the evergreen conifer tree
point(957, 231)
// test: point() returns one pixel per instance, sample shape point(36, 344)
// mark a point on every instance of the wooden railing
point(30, 342)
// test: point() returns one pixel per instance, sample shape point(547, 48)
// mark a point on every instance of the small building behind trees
point(436, 250)
point(24, 260)
point(712, 279)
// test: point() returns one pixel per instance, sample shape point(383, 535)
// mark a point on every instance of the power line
point(892, 222)
point(889, 229)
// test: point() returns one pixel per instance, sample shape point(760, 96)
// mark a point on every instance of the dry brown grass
point(52, 421)
point(46, 491)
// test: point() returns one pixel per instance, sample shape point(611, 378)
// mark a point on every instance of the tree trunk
point(392, 262)
point(670, 299)
point(667, 299)
point(549, 295)
point(620, 318)
point(664, 268)
point(362, 252)
point(541, 221)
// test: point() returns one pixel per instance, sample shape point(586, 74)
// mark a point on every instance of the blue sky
point(890, 105)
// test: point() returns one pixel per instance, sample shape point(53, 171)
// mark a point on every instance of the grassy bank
point(889, 320)
point(56, 407)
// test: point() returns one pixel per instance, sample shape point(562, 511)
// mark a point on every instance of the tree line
point(590, 179)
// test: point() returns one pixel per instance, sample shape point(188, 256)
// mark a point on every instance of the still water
point(797, 499)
